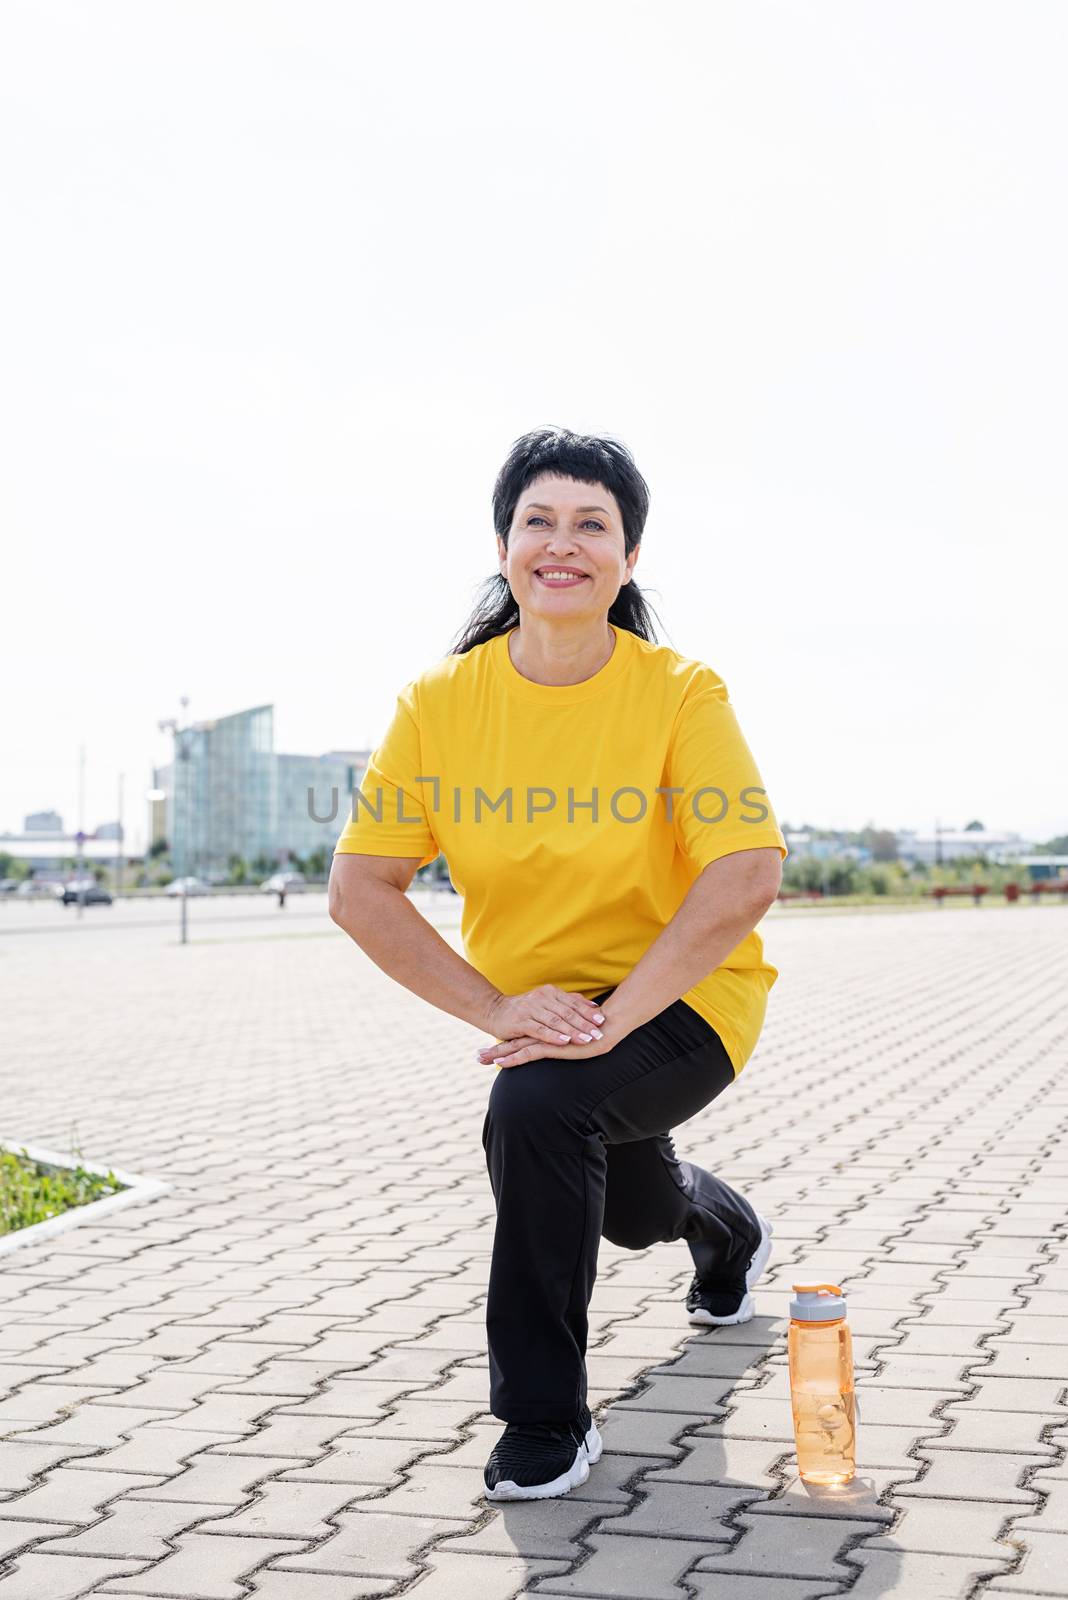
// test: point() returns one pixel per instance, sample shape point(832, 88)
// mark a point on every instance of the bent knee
point(630, 1233)
point(533, 1101)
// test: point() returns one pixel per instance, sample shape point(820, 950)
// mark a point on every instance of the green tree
point(881, 842)
point(317, 863)
point(841, 877)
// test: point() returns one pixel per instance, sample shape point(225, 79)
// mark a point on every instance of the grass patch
point(33, 1191)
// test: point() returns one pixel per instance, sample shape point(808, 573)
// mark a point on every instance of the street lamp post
point(119, 843)
point(80, 838)
point(182, 753)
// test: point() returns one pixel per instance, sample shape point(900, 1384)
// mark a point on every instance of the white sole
point(577, 1474)
point(746, 1310)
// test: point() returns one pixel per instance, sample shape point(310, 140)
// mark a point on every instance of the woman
point(606, 825)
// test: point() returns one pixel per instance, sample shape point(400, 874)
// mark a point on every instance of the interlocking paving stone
point(691, 1395)
point(36, 1577)
point(1017, 1432)
point(983, 1315)
point(130, 1530)
point(1017, 1359)
point(369, 1461)
point(219, 1480)
point(71, 1494)
point(910, 1575)
point(860, 1499)
point(419, 1419)
point(629, 1569)
point(370, 1543)
point(548, 1528)
point(431, 1490)
point(268, 1585)
point(100, 1425)
point(735, 1586)
point(972, 1529)
point(1053, 1517)
point(285, 1511)
point(1041, 1396)
point(20, 1462)
point(16, 1536)
point(743, 1462)
point(37, 1403)
point(205, 1567)
point(790, 1547)
point(459, 1577)
point(641, 1433)
point(971, 1475)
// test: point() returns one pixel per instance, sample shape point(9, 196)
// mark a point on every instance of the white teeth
point(560, 577)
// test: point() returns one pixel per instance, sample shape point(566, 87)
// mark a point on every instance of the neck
point(560, 653)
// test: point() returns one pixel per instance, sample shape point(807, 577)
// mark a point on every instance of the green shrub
point(30, 1192)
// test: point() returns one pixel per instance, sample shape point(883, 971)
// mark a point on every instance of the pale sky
point(281, 283)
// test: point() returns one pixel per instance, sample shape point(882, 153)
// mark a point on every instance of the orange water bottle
point(822, 1396)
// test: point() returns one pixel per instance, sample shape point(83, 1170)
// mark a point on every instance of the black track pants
point(581, 1149)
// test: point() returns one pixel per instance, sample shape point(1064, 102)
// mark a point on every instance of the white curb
point(137, 1188)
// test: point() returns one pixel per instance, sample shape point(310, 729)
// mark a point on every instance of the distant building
point(50, 857)
point(229, 793)
point(157, 811)
point(43, 822)
point(950, 844)
point(803, 844)
point(1041, 867)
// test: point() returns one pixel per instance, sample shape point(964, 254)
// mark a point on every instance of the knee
point(527, 1103)
point(630, 1233)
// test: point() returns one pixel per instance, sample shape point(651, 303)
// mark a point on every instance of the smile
point(561, 580)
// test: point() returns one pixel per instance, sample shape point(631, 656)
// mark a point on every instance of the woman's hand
point(517, 1051)
point(547, 1018)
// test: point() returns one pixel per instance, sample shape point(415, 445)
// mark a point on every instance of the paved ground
point(272, 1380)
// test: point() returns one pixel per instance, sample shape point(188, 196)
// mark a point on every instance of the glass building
point(229, 793)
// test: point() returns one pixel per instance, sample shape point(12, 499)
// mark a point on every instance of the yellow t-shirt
point(550, 804)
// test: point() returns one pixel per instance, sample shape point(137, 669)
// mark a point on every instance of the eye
point(590, 523)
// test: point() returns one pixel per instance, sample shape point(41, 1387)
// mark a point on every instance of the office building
point(228, 792)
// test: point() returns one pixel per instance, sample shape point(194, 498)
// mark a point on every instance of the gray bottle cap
point(817, 1302)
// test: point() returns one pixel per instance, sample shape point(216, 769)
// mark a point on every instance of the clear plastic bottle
point(822, 1395)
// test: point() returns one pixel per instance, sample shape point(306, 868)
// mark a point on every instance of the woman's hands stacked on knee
point(546, 1021)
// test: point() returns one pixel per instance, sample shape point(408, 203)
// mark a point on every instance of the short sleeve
point(723, 806)
point(390, 814)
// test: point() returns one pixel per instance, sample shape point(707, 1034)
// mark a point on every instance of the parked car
point(35, 888)
point(187, 886)
point(291, 882)
point(89, 893)
point(8, 885)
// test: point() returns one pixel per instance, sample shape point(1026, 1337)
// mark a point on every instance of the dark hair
point(585, 458)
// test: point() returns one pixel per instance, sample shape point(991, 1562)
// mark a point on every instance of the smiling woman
point(610, 949)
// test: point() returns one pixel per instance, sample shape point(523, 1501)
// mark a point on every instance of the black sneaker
point(720, 1303)
point(535, 1460)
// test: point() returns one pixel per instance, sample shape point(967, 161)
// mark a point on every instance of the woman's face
point(578, 527)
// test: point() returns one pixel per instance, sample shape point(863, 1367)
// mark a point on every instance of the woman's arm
point(368, 898)
point(724, 903)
